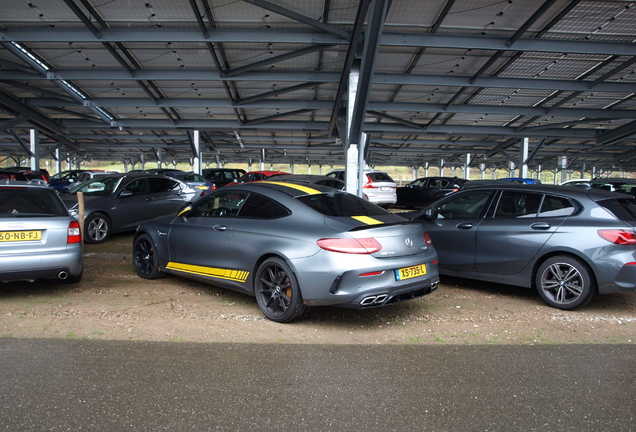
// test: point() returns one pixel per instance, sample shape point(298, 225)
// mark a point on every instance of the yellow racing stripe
point(307, 190)
point(367, 220)
point(233, 275)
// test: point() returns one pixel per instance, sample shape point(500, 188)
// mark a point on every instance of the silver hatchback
point(38, 237)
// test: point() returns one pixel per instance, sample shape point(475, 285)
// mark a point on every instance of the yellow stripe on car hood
point(233, 275)
point(367, 220)
point(301, 188)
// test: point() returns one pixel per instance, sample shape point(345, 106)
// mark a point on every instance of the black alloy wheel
point(145, 259)
point(277, 291)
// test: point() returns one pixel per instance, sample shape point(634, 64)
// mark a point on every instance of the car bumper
point(362, 281)
point(38, 266)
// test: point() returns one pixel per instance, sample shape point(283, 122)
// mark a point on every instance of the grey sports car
point(292, 246)
point(567, 242)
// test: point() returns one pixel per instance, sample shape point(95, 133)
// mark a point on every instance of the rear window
point(623, 209)
point(23, 202)
point(341, 204)
point(380, 177)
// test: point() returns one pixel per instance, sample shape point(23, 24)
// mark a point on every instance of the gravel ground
point(112, 302)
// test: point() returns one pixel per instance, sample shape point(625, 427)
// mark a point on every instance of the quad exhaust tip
point(371, 300)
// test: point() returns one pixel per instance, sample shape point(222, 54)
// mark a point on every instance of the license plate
point(385, 188)
point(410, 272)
point(14, 236)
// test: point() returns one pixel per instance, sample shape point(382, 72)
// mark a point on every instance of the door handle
point(219, 227)
point(150, 199)
point(540, 226)
point(464, 225)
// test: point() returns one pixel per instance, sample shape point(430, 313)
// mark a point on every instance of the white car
point(379, 188)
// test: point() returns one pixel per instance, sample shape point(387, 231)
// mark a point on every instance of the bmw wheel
point(277, 291)
point(565, 282)
point(145, 258)
point(97, 228)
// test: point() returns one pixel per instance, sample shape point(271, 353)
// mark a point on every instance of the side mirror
point(125, 193)
point(185, 211)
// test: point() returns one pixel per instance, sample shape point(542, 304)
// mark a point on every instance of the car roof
point(25, 184)
point(292, 189)
point(613, 179)
point(266, 172)
point(302, 177)
point(594, 194)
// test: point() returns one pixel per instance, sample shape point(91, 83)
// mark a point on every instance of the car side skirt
point(209, 272)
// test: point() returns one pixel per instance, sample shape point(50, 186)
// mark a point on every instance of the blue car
point(522, 180)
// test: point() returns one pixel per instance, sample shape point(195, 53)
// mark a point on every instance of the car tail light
point(74, 233)
point(427, 239)
point(369, 184)
point(618, 236)
point(350, 245)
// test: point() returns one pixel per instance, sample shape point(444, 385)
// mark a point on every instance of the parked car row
point(296, 241)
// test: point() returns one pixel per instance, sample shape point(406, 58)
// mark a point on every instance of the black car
point(222, 176)
point(425, 190)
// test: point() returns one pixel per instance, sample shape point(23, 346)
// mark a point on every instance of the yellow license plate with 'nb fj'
point(15, 236)
point(410, 272)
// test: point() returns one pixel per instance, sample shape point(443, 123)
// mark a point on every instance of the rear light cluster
point(350, 245)
point(74, 233)
point(369, 184)
point(367, 245)
point(618, 236)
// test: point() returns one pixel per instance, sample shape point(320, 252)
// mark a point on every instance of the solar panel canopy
point(436, 82)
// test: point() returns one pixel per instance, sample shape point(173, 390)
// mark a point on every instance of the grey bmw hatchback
point(292, 246)
point(568, 243)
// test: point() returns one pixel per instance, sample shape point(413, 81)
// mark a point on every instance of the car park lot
point(113, 303)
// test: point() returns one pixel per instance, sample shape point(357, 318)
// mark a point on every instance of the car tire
point(565, 282)
point(74, 279)
point(145, 258)
point(277, 291)
point(97, 228)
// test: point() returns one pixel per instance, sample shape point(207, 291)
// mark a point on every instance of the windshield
point(97, 187)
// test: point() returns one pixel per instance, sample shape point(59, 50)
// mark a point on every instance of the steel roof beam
point(277, 59)
point(250, 100)
point(327, 77)
point(300, 18)
point(430, 40)
point(352, 52)
point(321, 127)
point(325, 104)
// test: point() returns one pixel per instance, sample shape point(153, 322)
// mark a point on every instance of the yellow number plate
point(410, 272)
point(14, 236)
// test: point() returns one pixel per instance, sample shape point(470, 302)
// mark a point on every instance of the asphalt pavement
point(83, 385)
